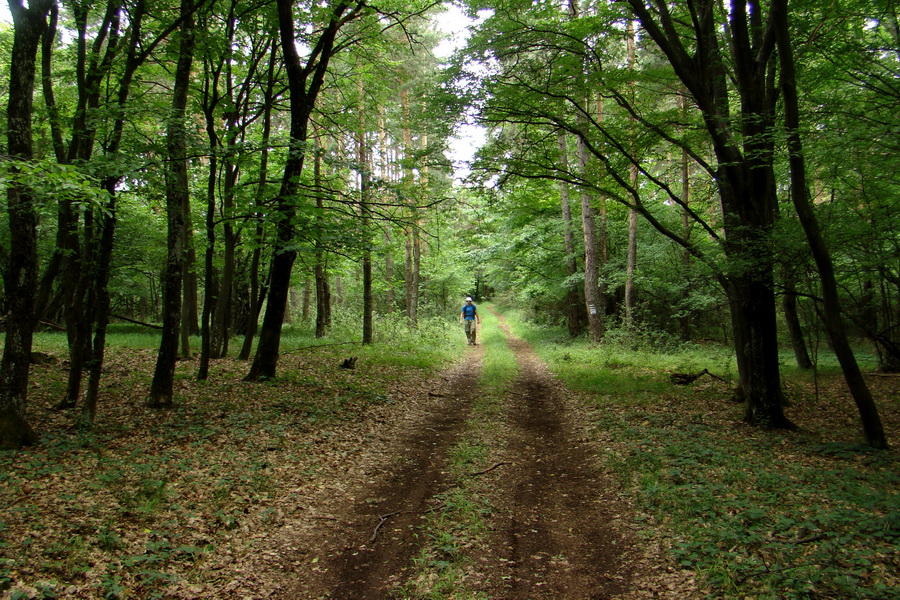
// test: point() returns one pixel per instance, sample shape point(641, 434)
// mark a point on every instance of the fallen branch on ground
point(380, 523)
point(499, 464)
point(688, 378)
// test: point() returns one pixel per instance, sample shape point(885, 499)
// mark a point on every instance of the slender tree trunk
point(177, 190)
point(100, 305)
point(320, 270)
point(592, 298)
point(631, 261)
point(792, 320)
point(573, 298)
point(208, 261)
point(362, 158)
point(101, 264)
point(365, 219)
point(388, 273)
point(255, 295)
point(685, 321)
point(304, 84)
point(384, 152)
point(834, 324)
point(20, 277)
point(189, 291)
point(411, 274)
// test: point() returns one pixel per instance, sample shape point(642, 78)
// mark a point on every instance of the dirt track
point(557, 529)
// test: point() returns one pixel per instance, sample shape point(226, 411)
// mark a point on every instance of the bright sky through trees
point(454, 24)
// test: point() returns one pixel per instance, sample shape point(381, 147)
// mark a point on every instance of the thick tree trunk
point(20, 277)
point(177, 192)
point(745, 176)
point(834, 323)
point(753, 319)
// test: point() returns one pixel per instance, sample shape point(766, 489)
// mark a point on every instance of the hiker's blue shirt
point(468, 312)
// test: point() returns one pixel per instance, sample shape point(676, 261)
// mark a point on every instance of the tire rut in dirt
point(369, 569)
point(557, 530)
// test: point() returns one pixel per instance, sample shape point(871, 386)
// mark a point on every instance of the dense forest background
point(699, 171)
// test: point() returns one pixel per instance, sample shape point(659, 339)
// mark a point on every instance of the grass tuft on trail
point(757, 514)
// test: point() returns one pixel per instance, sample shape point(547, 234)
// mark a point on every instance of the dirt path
point(556, 531)
point(366, 533)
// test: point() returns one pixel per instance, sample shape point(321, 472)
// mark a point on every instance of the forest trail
point(556, 528)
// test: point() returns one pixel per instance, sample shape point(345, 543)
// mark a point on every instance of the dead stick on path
point(380, 523)
point(499, 464)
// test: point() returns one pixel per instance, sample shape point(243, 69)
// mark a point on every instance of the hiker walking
point(469, 316)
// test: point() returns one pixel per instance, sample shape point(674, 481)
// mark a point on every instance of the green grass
point(499, 366)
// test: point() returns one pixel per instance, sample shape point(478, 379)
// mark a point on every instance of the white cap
point(468, 298)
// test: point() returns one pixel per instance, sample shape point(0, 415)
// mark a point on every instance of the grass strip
point(445, 567)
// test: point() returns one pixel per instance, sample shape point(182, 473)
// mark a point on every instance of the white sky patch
point(455, 26)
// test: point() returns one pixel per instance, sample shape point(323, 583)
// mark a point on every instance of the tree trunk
point(177, 194)
point(255, 294)
point(745, 173)
point(302, 101)
point(631, 260)
point(20, 277)
point(834, 324)
point(792, 320)
point(388, 273)
point(573, 298)
point(320, 270)
point(99, 307)
point(101, 261)
point(208, 258)
point(364, 168)
point(411, 274)
point(593, 303)
point(685, 321)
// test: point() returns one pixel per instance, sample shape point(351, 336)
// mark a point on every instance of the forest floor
point(345, 484)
